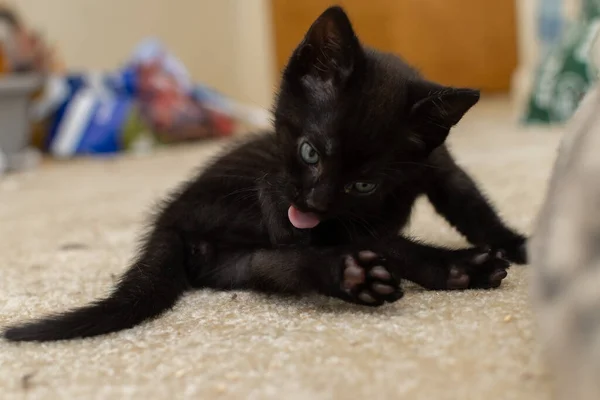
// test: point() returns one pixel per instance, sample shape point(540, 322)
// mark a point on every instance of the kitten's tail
point(151, 286)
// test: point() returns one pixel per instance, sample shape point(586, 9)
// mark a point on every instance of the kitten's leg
point(442, 269)
point(360, 277)
point(341, 273)
point(456, 197)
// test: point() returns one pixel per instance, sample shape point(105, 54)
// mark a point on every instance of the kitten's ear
point(329, 49)
point(438, 111)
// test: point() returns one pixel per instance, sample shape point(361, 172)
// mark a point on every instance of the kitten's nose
point(318, 200)
point(315, 206)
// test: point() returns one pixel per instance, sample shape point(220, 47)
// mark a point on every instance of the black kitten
point(318, 205)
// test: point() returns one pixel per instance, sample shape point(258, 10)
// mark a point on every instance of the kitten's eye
point(364, 187)
point(308, 153)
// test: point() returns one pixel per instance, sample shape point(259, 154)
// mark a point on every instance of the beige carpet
point(69, 228)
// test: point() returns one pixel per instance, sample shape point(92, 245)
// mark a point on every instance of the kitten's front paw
point(478, 269)
point(366, 280)
point(514, 251)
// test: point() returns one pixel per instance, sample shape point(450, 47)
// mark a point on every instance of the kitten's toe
point(379, 272)
point(480, 258)
point(458, 278)
point(382, 288)
point(496, 277)
point(514, 251)
point(368, 256)
point(493, 273)
point(354, 274)
point(366, 280)
point(367, 298)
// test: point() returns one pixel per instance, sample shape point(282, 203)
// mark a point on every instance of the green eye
point(308, 153)
point(364, 187)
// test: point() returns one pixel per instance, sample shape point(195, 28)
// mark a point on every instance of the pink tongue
point(302, 220)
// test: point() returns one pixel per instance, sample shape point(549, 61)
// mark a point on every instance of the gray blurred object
point(565, 256)
point(15, 128)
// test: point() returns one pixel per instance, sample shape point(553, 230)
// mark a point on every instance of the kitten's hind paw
point(478, 269)
point(365, 280)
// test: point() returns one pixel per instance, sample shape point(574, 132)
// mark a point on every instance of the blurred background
point(100, 77)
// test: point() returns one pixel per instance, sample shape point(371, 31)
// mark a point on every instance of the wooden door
point(468, 43)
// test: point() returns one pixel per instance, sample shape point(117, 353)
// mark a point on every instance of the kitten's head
point(353, 122)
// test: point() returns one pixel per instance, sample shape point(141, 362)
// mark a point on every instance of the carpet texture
point(68, 229)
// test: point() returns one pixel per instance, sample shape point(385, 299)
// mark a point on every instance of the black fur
point(370, 118)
